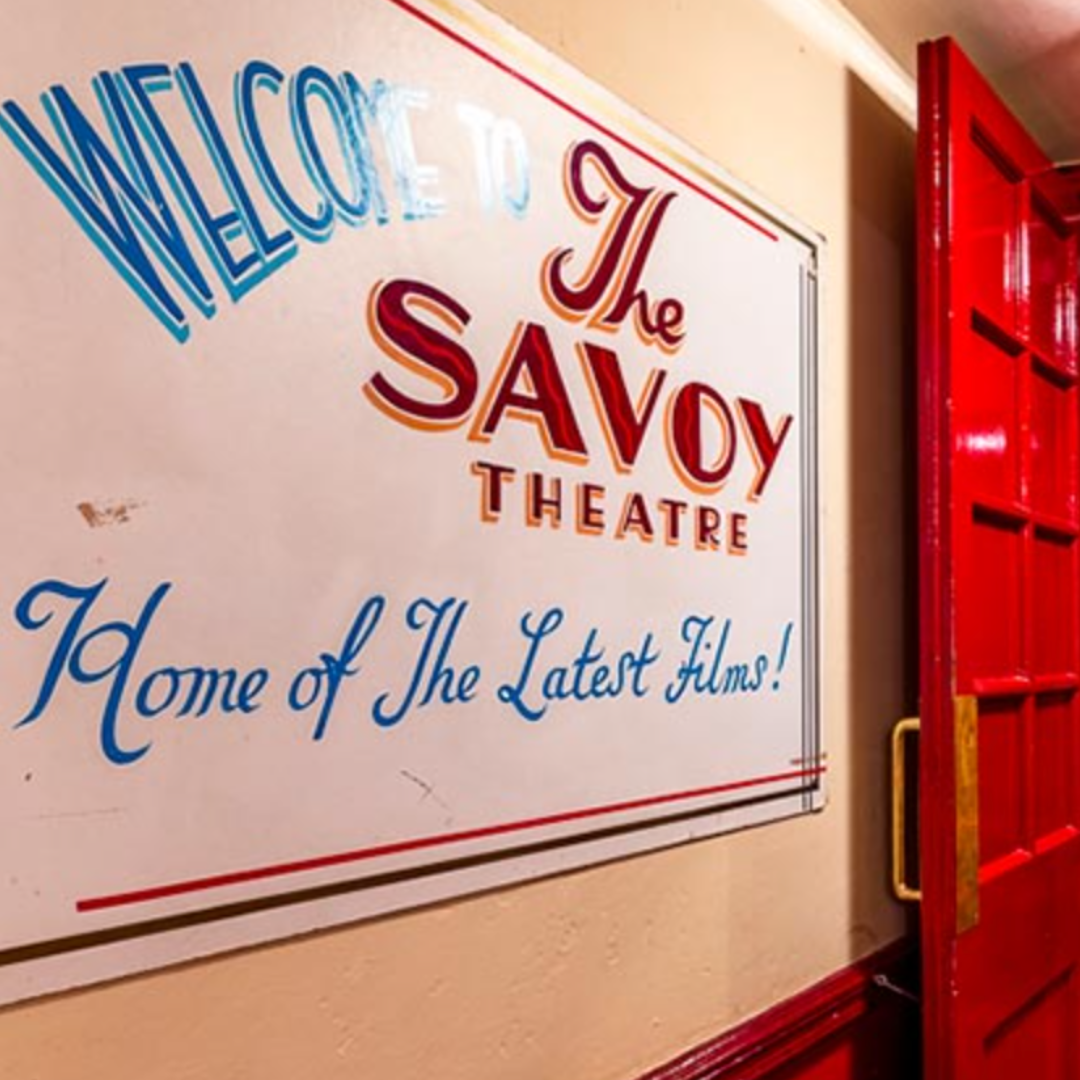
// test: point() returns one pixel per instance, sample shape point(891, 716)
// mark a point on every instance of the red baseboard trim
point(797, 1036)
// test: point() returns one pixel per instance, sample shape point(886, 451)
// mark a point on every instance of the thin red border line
point(322, 862)
point(574, 111)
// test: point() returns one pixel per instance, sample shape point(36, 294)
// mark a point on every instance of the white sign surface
point(410, 466)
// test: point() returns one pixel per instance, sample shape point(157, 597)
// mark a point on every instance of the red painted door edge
point(937, 810)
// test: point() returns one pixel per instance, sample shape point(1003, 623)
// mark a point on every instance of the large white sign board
point(409, 457)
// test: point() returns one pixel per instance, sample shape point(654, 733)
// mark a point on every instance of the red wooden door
point(1000, 606)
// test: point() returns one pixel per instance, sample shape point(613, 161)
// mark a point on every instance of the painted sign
point(409, 455)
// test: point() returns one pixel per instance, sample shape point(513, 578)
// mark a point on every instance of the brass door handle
point(966, 741)
point(900, 884)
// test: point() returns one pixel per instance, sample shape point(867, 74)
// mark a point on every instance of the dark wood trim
point(844, 1014)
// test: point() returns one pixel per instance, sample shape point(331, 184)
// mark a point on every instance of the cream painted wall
point(599, 974)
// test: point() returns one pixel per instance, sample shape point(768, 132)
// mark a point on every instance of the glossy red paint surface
point(999, 543)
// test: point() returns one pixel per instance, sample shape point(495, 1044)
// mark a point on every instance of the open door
point(1000, 747)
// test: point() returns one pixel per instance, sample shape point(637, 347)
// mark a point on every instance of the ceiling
point(1028, 49)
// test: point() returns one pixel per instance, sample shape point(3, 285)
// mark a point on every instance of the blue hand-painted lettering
point(706, 668)
point(77, 655)
point(114, 179)
point(320, 684)
point(432, 673)
point(584, 678)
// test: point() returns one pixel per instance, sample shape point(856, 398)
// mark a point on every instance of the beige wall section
point(599, 974)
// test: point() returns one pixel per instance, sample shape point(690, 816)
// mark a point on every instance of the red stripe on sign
point(399, 847)
point(442, 28)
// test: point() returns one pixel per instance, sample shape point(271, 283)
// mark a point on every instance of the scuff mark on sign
point(428, 790)
point(99, 515)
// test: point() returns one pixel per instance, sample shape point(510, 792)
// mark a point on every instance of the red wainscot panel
point(861, 1023)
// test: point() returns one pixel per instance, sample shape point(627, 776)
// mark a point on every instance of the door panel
point(1036, 1038)
point(999, 547)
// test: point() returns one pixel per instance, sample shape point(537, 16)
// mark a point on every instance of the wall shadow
point(881, 559)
